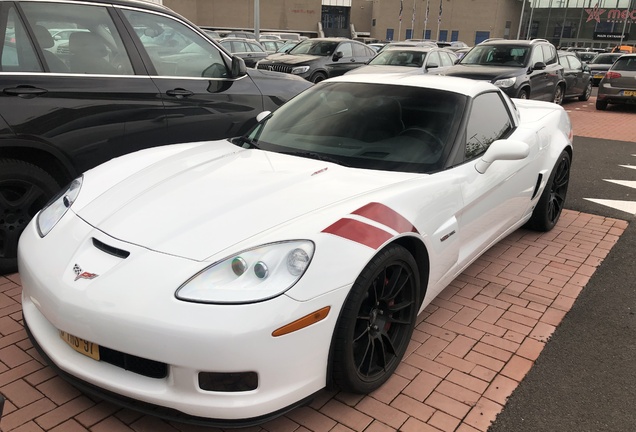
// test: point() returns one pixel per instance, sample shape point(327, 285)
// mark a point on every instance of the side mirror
point(337, 56)
point(262, 116)
point(432, 66)
point(539, 66)
point(502, 150)
point(238, 67)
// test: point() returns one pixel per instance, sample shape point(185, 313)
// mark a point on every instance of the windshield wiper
point(246, 140)
point(318, 156)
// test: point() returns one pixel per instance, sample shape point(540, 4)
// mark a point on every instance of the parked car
point(240, 35)
point(618, 86)
point(248, 49)
point(524, 69)
point(212, 33)
point(271, 46)
point(578, 79)
point(409, 60)
point(586, 56)
point(320, 58)
point(409, 43)
point(237, 279)
point(601, 64)
point(123, 81)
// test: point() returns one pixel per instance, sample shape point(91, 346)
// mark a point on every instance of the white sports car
point(227, 282)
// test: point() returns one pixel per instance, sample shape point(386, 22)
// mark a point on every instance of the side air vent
point(536, 188)
point(111, 250)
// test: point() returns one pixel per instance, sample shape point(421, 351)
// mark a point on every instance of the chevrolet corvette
point(227, 282)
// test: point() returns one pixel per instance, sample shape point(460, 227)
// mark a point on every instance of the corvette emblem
point(79, 274)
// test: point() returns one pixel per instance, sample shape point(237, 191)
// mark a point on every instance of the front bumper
point(130, 307)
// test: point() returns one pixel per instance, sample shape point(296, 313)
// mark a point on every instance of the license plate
point(598, 76)
point(629, 92)
point(80, 345)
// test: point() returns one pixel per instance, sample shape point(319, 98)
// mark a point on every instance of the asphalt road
point(585, 378)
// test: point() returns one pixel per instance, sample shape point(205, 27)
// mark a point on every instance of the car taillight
point(612, 75)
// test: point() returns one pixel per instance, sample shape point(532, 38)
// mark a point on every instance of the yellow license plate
point(598, 76)
point(629, 93)
point(80, 345)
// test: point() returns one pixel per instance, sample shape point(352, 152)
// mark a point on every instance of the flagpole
point(428, 3)
point(439, 19)
point(413, 22)
point(400, 17)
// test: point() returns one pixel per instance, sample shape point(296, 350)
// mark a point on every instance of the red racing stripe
point(386, 216)
point(359, 232)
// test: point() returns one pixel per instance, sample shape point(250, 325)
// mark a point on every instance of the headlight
point(300, 70)
point(506, 82)
point(252, 275)
point(57, 207)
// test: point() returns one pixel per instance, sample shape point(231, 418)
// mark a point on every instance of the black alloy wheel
point(376, 322)
point(549, 207)
point(24, 190)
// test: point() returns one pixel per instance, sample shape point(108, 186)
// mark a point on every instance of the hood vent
point(110, 250)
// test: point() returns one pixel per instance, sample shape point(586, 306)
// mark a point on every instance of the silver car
point(618, 86)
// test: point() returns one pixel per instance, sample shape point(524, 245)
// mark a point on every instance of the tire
point(24, 190)
point(559, 92)
point(548, 210)
point(317, 77)
point(523, 94)
point(601, 105)
point(376, 322)
point(587, 93)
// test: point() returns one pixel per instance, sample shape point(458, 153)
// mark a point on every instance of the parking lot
point(472, 347)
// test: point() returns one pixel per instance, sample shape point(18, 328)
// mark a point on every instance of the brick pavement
point(471, 348)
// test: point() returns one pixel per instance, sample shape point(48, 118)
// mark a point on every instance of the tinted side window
point(174, 48)
point(18, 54)
point(360, 51)
point(489, 121)
point(433, 59)
point(255, 47)
point(346, 49)
point(549, 54)
point(90, 44)
point(446, 59)
point(575, 63)
point(537, 55)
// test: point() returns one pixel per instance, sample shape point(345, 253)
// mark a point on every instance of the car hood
point(480, 72)
point(292, 59)
point(384, 69)
point(207, 198)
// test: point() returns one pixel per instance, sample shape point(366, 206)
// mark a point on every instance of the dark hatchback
point(134, 75)
point(320, 58)
point(525, 69)
point(578, 79)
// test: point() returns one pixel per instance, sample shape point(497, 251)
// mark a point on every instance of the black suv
point(320, 58)
point(521, 68)
point(122, 76)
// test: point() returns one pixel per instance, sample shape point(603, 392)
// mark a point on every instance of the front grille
point(276, 67)
point(138, 365)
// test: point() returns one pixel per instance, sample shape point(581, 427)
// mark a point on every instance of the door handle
point(26, 92)
point(179, 93)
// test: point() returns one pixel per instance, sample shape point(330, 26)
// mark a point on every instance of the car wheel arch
point(418, 250)
point(50, 160)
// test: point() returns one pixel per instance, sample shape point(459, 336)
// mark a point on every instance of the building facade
point(589, 23)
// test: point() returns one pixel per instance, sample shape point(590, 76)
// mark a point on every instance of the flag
point(439, 17)
point(401, 9)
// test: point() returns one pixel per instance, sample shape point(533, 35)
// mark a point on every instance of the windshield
point(497, 55)
point(319, 48)
point(363, 125)
point(399, 58)
point(605, 58)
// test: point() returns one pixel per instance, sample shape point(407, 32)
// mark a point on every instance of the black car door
point(82, 99)
point(202, 100)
